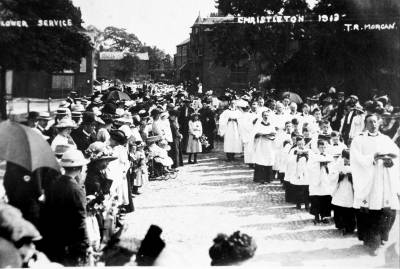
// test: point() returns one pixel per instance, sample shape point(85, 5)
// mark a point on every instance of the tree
point(129, 64)
point(117, 39)
point(353, 61)
point(266, 46)
point(40, 48)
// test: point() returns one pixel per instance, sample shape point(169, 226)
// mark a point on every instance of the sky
point(161, 23)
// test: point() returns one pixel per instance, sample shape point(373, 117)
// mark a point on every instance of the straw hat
point(64, 104)
point(66, 123)
point(127, 131)
point(73, 158)
point(358, 107)
point(153, 138)
point(62, 111)
point(99, 151)
point(44, 116)
point(77, 107)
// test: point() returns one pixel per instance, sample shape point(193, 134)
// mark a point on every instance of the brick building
point(110, 62)
point(182, 72)
point(195, 58)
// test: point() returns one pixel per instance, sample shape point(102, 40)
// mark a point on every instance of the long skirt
point(194, 145)
point(176, 153)
point(345, 218)
point(374, 226)
point(262, 173)
point(299, 193)
point(321, 205)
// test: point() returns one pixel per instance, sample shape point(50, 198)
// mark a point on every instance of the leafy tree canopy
point(41, 48)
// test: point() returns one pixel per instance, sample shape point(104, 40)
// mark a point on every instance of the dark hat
point(88, 118)
point(174, 113)
point(109, 108)
point(118, 136)
point(33, 115)
point(346, 153)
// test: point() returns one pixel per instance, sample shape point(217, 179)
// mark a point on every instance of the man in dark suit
point(85, 134)
point(184, 113)
point(176, 148)
point(65, 236)
point(348, 119)
point(43, 120)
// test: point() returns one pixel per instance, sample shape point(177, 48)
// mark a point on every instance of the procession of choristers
point(332, 155)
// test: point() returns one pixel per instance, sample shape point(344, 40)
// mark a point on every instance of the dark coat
point(97, 182)
point(183, 120)
point(81, 139)
point(207, 118)
point(176, 149)
point(23, 189)
point(65, 219)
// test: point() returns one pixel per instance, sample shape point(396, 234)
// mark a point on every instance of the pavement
point(214, 197)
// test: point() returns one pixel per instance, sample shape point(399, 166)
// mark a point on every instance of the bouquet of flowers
point(204, 141)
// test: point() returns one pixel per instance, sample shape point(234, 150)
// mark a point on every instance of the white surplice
point(375, 186)
point(229, 129)
point(245, 129)
point(263, 149)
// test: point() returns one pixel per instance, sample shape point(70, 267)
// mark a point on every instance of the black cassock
point(207, 118)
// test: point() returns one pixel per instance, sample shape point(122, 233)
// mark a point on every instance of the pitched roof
point(184, 42)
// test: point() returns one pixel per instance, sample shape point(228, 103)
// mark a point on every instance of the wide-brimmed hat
point(44, 116)
point(77, 107)
point(127, 131)
point(63, 111)
point(358, 107)
point(118, 136)
point(154, 138)
point(73, 158)
point(64, 104)
point(353, 97)
point(66, 123)
point(99, 151)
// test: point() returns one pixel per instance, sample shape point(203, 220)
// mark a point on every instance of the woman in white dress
point(195, 132)
point(64, 128)
point(118, 169)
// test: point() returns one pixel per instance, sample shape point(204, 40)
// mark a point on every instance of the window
point(82, 67)
point(62, 82)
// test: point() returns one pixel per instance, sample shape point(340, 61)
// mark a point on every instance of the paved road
point(214, 196)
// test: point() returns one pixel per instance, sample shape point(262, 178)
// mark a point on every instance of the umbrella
point(294, 97)
point(118, 95)
point(23, 146)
